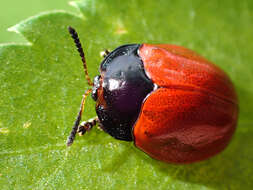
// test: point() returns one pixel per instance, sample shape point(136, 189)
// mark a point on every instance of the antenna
point(78, 44)
point(72, 135)
point(74, 35)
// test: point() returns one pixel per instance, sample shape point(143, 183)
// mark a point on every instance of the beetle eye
point(96, 86)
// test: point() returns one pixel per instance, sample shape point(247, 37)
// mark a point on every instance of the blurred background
point(14, 11)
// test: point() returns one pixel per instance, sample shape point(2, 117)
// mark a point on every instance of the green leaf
point(42, 83)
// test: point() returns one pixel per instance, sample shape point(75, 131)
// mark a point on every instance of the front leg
point(87, 125)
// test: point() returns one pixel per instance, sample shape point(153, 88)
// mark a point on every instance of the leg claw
point(81, 130)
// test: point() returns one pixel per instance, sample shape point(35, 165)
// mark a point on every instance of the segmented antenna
point(72, 135)
point(74, 35)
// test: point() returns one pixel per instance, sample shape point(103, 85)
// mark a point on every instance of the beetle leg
point(104, 53)
point(100, 126)
point(72, 135)
point(87, 125)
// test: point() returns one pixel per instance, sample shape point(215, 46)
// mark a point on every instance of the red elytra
point(174, 104)
point(193, 115)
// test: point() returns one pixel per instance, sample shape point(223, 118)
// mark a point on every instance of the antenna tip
point(69, 144)
point(71, 30)
point(69, 141)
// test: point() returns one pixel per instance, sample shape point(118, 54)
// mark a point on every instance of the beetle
point(175, 105)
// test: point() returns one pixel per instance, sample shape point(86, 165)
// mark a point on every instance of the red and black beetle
point(174, 104)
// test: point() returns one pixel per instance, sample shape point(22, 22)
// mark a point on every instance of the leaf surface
point(42, 82)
